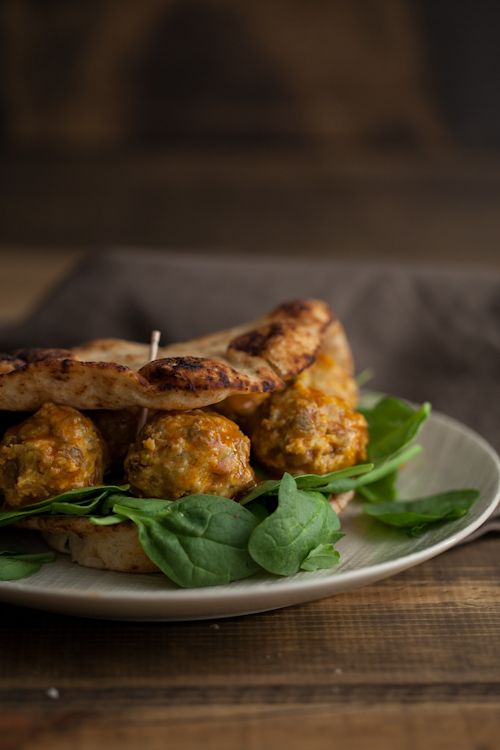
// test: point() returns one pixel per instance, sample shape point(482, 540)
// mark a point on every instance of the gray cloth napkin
point(428, 333)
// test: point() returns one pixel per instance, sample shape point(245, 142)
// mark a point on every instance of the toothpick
point(153, 354)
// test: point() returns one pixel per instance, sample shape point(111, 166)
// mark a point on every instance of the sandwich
point(276, 396)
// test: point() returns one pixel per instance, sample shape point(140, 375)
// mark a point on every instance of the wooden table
point(408, 208)
point(410, 662)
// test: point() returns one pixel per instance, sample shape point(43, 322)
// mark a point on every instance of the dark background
point(374, 75)
point(331, 127)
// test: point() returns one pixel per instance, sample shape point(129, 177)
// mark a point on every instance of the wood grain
point(102, 74)
point(304, 203)
point(413, 661)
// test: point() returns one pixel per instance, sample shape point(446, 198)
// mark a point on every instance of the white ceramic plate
point(453, 457)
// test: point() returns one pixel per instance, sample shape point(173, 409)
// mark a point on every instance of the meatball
point(183, 453)
point(54, 450)
point(328, 376)
point(306, 431)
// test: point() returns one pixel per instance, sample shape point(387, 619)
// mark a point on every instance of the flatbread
point(259, 357)
point(114, 547)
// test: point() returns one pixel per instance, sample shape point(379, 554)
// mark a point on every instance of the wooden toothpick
point(153, 354)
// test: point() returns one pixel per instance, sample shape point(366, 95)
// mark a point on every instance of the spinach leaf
point(318, 481)
point(150, 505)
point(109, 520)
point(302, 521)
point(388, 464)
point(12, 516)
point(83, 508)
point(416, 515)
point(259, 511)
point(382, 468)
point(382, 490)
point(322, 557)
point(392, 424)
point(307, 481)
point(16, 565)
point(66, 501)
point(200, 540)
point(269, 487)
point(364, 377)
point(146, 505)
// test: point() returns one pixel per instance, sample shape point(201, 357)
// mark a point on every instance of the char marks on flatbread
point(258, 357)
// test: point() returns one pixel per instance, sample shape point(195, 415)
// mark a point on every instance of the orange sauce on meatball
point(183, 453)
point(54, 450)
point(303, 430)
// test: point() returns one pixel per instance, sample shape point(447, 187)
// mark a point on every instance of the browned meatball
point(55, 450)
point(306, 431)
point(326, 374)
point(183, 453)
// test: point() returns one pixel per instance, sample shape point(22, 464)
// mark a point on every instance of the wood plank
point(256, 727)
point(325, 203)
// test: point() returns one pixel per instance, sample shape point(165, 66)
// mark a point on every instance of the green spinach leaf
point(16, 565)
point(416, 515)
point(200, 540)
point(109, 520)
point(318, 481)
point(83, 508)
point(382, 468)
point(65, 502)
point(150, 505)
point(392, 425)
point(322, 557)
point(268, 487)
point(259, 511)
point(302, 521)
point(364, 377)
point(382, 490)
point(307, 481)
point(145, 505)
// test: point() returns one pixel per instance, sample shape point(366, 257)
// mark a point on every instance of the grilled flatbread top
point(258, 357)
